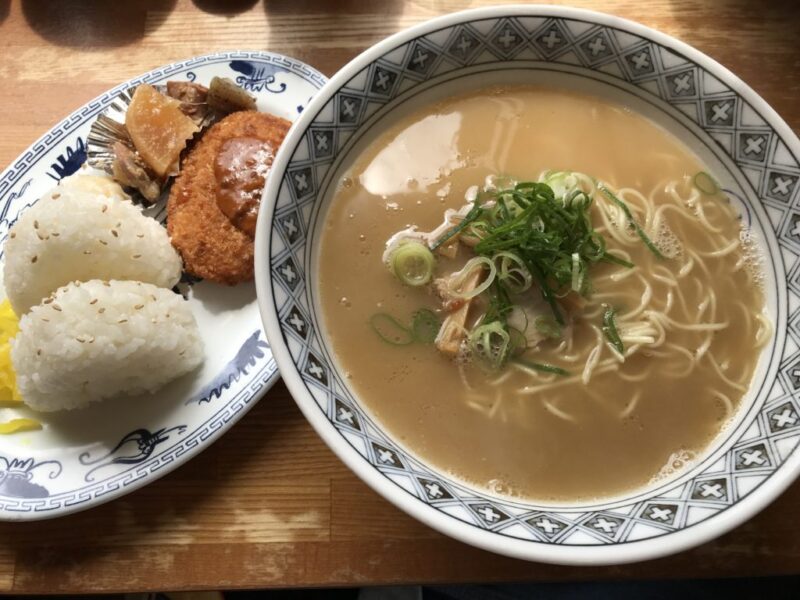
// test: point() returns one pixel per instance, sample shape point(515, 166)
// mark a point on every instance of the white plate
point(87, 457)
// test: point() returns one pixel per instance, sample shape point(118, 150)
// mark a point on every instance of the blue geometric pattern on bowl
point(37, 483)
point(760, 161)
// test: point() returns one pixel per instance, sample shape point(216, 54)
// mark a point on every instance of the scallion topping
point(471, 216)
point(617, 261)
point(512, 272)
point(631, 221)
point(390, 330)
point(521, 234)
point(576, 272)
point(706, 184)
point(412, 263)
point(548, 327)
point(457, 280)
point(610, 329)
point(541, 367)
point(490, 344)
point(425, 326)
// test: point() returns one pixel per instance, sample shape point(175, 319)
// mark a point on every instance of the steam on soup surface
point(541, 293)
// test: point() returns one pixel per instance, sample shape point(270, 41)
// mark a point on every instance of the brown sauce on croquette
point(241, 168)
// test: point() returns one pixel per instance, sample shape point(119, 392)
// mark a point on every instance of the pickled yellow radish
point(19, 425)
point(9, 327)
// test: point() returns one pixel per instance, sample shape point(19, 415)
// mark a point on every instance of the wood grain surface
point(269, 505)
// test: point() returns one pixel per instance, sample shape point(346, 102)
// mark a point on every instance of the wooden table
point(269, 504)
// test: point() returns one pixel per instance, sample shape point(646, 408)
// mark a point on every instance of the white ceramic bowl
point(746, 144)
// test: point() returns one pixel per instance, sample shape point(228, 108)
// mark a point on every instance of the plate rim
point(632, 551)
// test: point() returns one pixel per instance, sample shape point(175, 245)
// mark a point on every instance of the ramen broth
point(545, 438)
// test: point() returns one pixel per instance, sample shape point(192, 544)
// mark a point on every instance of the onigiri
point(97, 339)
point(86, 228)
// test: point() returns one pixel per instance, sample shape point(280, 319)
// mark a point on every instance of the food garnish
point(631, 221)
point(610, 329)
point(19, 426)
point(528, 239)
point(412, 263)
point(9, 327)
point(706, 184)
point(9, 393)
point(423, 329)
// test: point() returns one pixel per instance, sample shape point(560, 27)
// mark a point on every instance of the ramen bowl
point(750, 150)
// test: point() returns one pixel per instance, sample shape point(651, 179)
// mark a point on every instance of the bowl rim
point(633, 551)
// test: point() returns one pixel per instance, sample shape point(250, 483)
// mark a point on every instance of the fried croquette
point(211, 245)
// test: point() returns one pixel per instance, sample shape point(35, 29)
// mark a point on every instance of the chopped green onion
point(549, 296)
point(500, 306)
point(519, 343)
point(610, 329)
point(476, 230)
point(456, 281)
point(705, 183)
point(412, 263)
point(631, 221)
point(576, 272)
point(548, 327)
point(529, 232)
point(425, 326)
point(473, 214)
point(617, 260)
point(491, 344)
point(390, 330)
point(512, 272)
point(541, 367)
point(561, 182)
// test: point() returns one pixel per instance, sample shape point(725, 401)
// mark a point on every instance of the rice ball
point(93, 340)
point(86, 228)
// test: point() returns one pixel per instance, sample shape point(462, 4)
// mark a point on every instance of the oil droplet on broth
point(444, 191)
point(498, 486)
point(345, 301)
point(677, 462)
